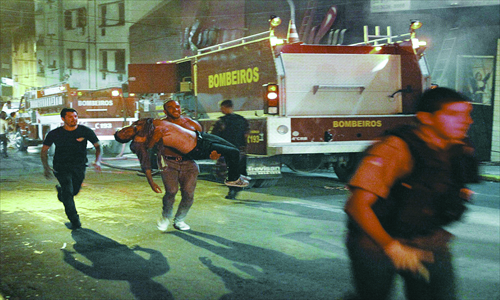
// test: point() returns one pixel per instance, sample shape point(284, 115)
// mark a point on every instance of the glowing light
point(115, 93)
point(272, 95)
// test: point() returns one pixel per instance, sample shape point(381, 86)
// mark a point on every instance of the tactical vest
point(431, 196)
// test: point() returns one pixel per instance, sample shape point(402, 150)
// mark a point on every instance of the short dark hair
point(166, 102)
point(433, 100)
point(66, 110)
point(227, 103)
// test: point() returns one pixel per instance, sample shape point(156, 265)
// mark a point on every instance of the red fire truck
point(307, 104)
point(103, 110)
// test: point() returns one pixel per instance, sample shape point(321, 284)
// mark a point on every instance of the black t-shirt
point(232, 128)
point(71, 146)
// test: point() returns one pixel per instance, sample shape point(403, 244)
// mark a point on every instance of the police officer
point(408, 186)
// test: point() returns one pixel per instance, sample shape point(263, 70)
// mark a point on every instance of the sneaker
point(237, 183)
point(162, 224)
point(247, 178)
point(181, 225)
point(59, 190)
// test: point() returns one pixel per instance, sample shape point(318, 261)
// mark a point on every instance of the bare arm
point(195, 125)
point(97, 162)
point(47, 170)
point(140, 149)
point(359, 208)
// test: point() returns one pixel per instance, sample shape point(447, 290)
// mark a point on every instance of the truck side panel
point(341, 84)
point(235, 73)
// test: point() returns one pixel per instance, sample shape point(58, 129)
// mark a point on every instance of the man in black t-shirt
point(234, 129)
point(70, 160)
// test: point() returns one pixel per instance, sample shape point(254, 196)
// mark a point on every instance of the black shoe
point(72, 226)
point(75, 222)
point(59, 191)
point(232, 194)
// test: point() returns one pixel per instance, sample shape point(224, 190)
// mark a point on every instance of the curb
point(495, 178)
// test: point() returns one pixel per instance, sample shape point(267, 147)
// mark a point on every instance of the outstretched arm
point(141, 150)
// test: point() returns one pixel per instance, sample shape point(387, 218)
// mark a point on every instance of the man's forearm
point(98, 153)
point(45, 159)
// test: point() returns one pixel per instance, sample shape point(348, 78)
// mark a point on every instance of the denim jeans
point(374, 273)
point(179, 173)
point(70, 180)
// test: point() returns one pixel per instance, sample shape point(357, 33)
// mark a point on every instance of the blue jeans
point(70, 180)
point(179, 173)
point(374, 273)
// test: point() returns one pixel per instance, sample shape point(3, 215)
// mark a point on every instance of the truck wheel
point(20, 142)
point(306, 162)
point(263, 183)
point(346, 165)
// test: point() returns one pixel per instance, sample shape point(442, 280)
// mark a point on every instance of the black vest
point(430, 196)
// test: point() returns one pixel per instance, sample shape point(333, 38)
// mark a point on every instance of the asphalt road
point(281, 242)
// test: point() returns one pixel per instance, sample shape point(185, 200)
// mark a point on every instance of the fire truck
point(307, 105)
point(103, 110)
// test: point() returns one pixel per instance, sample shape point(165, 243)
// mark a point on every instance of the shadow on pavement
point(111, 260)
point(269, 274)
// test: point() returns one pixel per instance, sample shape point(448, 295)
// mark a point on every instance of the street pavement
point(284, 242)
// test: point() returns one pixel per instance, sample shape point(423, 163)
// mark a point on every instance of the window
point(113, 60)
point(77, 59)
point(75, 18)
point(112, 14)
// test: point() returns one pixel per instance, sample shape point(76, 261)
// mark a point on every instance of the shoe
point(180, 225)
point(59, 191)
point(162, 224)
point(245, 177)
point(232, 194)
point(75, 222)
point(237, 183)
point(76, 225)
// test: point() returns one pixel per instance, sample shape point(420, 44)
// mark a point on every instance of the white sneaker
point(181, 225)
point(162, 224)
point(237, 183)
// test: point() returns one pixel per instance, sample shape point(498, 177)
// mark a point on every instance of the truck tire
point(345, 166)
point(305, 162)
point(21, 144)
point(263, 183)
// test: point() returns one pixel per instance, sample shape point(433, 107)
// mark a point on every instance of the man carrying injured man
point(148, 132)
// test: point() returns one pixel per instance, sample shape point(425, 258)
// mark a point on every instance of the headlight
point(282, 129)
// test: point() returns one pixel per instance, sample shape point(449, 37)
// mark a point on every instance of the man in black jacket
point(234, 129)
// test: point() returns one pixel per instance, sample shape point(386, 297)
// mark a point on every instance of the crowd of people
point(409, 185)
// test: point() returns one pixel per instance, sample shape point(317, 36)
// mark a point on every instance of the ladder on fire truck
point(443, 60)
point(307, 20)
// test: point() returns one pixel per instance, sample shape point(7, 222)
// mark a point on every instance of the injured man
point(148, 132)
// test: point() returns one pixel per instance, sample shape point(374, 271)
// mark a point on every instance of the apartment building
point(81, 42)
